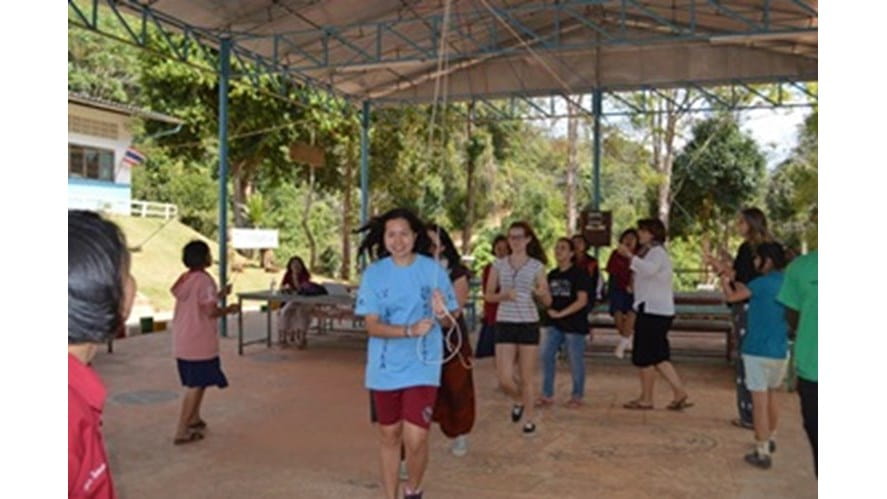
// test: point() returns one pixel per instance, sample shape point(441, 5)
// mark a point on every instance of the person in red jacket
point(621, 294)
point(100, 296)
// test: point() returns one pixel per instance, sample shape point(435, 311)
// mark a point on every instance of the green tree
point(715, 174)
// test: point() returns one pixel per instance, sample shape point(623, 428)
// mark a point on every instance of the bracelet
point(408, 331)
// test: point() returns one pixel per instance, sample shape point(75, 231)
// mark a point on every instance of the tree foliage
point(716, 173)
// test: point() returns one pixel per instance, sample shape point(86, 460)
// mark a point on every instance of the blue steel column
point(364, 170)
point(364, 162)
point(596, 98)
point(224, 72)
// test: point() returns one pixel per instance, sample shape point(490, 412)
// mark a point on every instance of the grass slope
point(159, 262)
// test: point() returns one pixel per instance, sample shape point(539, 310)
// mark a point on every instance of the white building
point(99, 134)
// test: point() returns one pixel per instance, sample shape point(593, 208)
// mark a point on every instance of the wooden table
point(269, 296)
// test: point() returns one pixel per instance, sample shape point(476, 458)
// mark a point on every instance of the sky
point(775, 130)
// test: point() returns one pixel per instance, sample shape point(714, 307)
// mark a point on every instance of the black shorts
point(520, 333)
point(650, 345)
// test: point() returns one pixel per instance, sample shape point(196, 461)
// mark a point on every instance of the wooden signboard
point(597, 227)
point(310, 155)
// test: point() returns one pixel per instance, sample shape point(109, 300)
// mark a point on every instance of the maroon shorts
point(414, 404)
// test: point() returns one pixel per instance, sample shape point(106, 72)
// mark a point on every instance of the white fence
point(152, 209)
point(133, 208)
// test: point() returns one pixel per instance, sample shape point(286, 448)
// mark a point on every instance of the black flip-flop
point(192, 437)
point(679, 405)
point(199, 425)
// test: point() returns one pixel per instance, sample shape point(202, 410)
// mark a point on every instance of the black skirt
point(650, 345)
point(201, 373)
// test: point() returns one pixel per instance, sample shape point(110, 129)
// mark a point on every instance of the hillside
point(158, 263)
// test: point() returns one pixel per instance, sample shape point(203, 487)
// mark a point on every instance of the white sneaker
point(620, 348)
point(460, 446)
point(404, 474)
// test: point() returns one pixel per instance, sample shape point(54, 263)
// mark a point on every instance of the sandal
point(679, 405)
point(192, 437)
point(544, 402)
point(742, 424)
point(637, 405)
point(199, 425)
point(574, 404)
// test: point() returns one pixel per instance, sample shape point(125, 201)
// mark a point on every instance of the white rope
point(441, 96)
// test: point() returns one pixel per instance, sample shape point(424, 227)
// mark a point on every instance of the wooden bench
point(698, 316)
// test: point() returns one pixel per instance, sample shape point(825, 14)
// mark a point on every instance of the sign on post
point(254, 238)
point(596, 226)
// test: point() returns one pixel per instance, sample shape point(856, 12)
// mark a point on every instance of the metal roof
point(116, 107)
point(387, 50)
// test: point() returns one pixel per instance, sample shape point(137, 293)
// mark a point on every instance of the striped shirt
point(522, 280)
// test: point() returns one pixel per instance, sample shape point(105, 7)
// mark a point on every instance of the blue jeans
point(575, 352)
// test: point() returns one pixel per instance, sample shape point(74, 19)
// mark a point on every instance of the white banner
point(254, 238)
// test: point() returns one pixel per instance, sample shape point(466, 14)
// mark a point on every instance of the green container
point(146, 324)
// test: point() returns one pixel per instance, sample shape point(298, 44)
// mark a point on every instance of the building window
point(90, 162)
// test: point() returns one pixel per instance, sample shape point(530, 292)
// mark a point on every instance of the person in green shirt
point(799, 294)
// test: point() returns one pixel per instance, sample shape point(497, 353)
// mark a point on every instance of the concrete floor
point(295, 424)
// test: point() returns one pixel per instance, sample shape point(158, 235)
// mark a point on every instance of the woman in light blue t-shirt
point(404, 297)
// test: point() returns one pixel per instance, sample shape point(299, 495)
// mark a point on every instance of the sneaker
point(620, 348)
point(404, 474)
point(755, 459)
point(529, 430)
point(517, 411)
point(412, 495)
point(460, 446)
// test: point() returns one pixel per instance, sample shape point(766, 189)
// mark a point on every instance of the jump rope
point(453, 345)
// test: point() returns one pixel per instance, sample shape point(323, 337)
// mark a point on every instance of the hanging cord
point(440, 95)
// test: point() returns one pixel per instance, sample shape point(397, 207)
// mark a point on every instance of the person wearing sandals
point(100, 295)
point(514, 282)
point(568, 303)
point(195, 337)
point(654, 309)
point(765, 346)
point(405, 297)
point(752, 226)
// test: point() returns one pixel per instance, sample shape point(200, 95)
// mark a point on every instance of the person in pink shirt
point(195, 337)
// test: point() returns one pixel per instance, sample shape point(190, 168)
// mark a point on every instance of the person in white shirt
point(654, 306)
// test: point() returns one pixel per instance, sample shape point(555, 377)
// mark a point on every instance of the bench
point(707, 318)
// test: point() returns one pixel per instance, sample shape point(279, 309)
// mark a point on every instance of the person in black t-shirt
point(752, 226)
point(571, 295)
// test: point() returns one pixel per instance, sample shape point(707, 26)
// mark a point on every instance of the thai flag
point(133, 157)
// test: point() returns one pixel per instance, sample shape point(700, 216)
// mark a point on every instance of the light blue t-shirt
point(767, 334)
point(402, 296)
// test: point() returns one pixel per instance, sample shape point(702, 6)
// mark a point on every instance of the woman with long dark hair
point(295, 318)
point(454, 409)
point(401, 294)
point(514, 283)
point(486, 343)
point(751, 224)
point(654, 307)
point(568, 323)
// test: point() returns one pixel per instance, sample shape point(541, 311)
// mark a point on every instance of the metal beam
point(409, 35)
point(618, 102)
